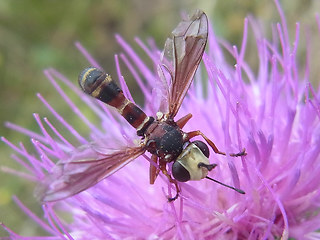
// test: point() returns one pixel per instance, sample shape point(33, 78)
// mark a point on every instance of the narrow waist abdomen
point(100, 85)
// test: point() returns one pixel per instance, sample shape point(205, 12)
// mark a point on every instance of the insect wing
point(185, 49)
point(79, 173)
point(161, 91)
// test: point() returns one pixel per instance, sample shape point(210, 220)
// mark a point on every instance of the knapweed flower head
point(273, 113)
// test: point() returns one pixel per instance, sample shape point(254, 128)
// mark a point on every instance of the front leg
point(212, 145)
point(163, 168)
point(153, 170)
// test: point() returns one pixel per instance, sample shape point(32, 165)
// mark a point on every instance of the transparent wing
point(82, 171)
point(182, 55)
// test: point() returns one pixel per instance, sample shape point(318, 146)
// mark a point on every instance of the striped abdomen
point(100, 85)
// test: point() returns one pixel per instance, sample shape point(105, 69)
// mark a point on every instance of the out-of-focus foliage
point(39, 34)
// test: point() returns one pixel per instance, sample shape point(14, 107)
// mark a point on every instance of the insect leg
point(165, 172)
point(182, 121)
point(212, 145)
point(153, 170)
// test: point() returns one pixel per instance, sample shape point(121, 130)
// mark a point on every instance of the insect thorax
point(165, 140)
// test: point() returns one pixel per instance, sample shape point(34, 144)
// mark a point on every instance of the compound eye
point(179, 172)
point(203, 147)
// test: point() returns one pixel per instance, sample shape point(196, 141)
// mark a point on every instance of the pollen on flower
point(273, 114)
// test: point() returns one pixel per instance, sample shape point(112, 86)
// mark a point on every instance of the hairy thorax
point(165, 140)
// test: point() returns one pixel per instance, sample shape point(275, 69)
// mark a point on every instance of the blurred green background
point(38, 34)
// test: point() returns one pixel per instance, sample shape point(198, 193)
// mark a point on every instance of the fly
point(161, 135)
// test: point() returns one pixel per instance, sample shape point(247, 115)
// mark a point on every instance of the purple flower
point(273, 113)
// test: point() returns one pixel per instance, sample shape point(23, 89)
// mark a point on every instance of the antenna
point(228, 186)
